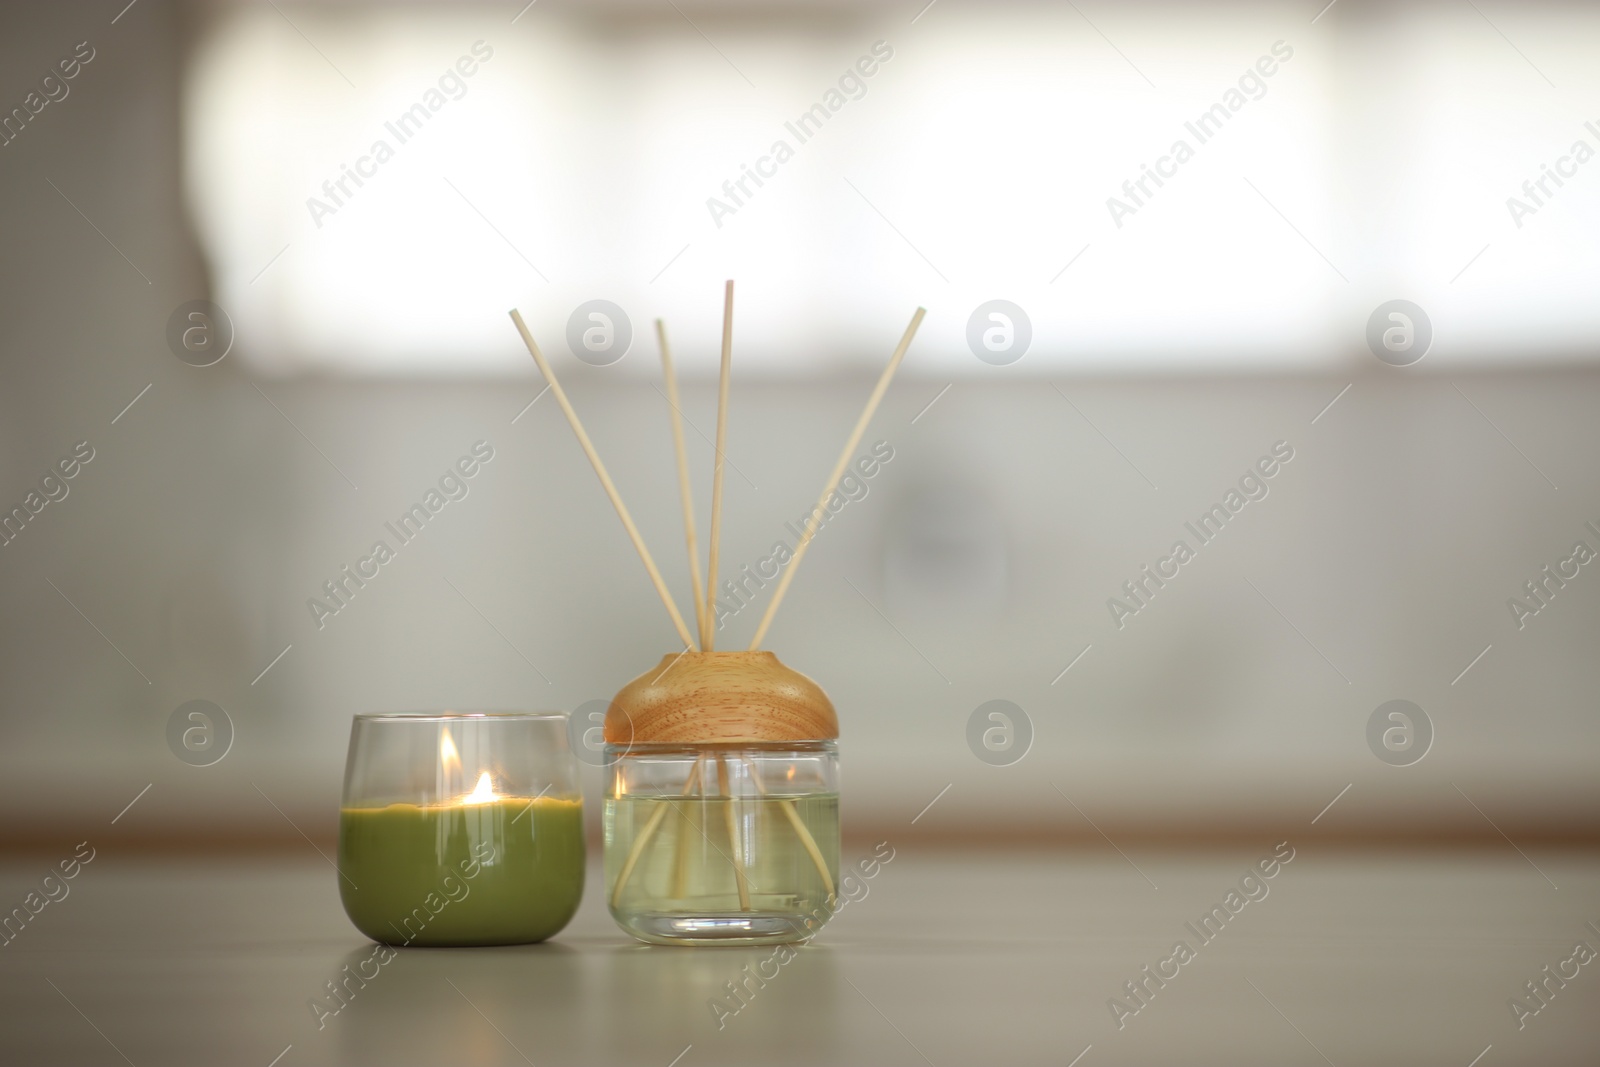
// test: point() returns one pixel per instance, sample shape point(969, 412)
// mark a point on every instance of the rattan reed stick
point(739, 877)
point(838, 472)
point(605, 479)
point(684, 490)
point(707, 624)
point(691, 820)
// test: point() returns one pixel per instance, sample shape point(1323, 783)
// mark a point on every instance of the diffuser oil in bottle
point(731, 845)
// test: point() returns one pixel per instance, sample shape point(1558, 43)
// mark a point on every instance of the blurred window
point(1206, 187)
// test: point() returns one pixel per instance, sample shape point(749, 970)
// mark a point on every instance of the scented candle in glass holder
point(460, 829)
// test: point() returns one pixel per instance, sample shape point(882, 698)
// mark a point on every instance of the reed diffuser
point(722, 800)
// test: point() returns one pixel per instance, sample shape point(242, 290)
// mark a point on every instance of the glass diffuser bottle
point(722, 799)
point(722, 802)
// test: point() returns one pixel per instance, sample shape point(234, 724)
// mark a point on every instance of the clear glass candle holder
point(731, 844)
point(460, 829)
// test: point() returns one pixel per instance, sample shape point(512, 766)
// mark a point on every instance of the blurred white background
point(1168, 355)
point(1373, 157)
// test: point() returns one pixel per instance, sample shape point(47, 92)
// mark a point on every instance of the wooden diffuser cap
point(720, 698)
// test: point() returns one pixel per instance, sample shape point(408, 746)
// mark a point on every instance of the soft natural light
point(554, 161)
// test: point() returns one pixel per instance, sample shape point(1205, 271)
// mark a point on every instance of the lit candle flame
point(484, 793)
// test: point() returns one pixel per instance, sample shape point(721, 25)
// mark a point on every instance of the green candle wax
point(502, 872)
